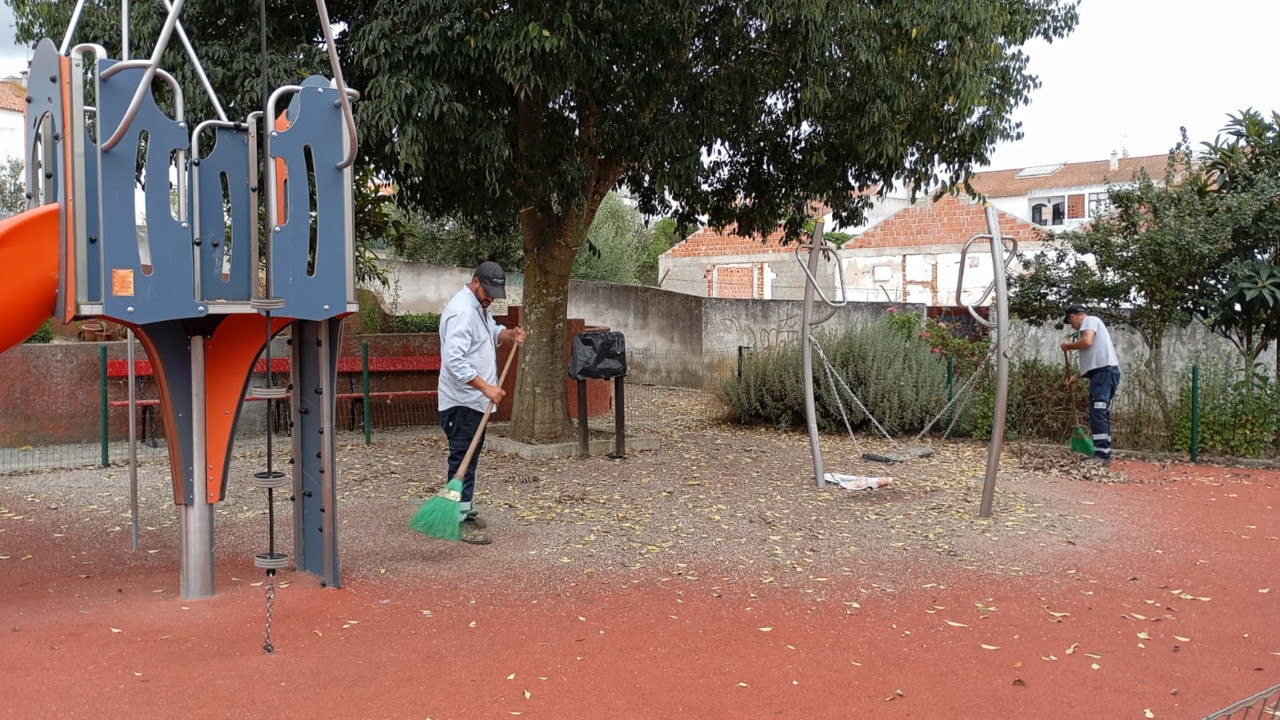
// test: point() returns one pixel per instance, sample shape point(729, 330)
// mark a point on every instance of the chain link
point(271, 601)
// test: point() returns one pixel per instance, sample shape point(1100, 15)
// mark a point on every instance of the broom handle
point(1075, 411)
point(475, 439)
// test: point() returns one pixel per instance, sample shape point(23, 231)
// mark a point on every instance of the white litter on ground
point(856, 482)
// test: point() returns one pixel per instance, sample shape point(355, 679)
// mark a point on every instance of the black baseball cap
point(492, 279)
point(1072, 310)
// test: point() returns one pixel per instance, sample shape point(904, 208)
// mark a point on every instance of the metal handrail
point(820, 245)
point(152, 65)
point(195, 190)
point(348, 118)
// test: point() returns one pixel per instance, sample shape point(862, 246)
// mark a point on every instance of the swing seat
point(910, 452)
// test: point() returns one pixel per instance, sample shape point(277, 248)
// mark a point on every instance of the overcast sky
point(1131, 74)
point(1134, 71)
point(13, 59)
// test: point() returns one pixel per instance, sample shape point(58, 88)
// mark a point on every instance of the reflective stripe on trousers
point(1102, 389)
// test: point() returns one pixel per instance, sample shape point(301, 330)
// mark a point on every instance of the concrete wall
point(417, 288)
point(1183, 347)
point(666, 330)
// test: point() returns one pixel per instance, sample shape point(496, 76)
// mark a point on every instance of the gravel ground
point(716, 499)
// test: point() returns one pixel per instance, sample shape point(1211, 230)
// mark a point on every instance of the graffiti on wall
point(785, 330)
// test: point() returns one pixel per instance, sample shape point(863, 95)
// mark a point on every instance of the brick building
point(908, 252)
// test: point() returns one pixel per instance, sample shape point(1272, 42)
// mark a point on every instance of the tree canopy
point(743, 111)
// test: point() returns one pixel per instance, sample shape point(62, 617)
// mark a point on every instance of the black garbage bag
point(598, 355)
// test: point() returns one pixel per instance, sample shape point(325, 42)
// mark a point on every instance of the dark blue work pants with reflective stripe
point(460, 424)
point(1102, 389)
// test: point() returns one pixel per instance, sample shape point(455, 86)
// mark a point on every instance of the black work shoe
point(472, 535)
point(475, 521)
point(1096, 461)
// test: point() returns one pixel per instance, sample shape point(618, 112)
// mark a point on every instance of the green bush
point(1238, 415)
point(413, 323)
point(1039, 403)
point(371, 312)
point(44, 334)
point(900, 379)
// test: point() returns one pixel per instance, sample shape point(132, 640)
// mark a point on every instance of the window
point(1099, 204)
point(1048, 211)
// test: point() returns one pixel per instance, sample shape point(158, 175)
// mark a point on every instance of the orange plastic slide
point(28, 273)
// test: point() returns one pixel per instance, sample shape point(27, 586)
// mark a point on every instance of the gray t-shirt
point(1101, 353)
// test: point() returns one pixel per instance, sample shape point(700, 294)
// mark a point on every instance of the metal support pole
point(951, 382)
point(806, 318)
point(1195, 413)
point(364, 383)
point(102, 398)
point(133, 441)
point(195, 521)
point(584, 438)
point(1002, 361)
point(619, 418)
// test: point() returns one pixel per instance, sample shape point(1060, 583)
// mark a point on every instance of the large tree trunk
point(540, 414)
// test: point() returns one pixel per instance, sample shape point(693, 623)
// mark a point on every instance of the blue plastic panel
point(317, 127)
point(44, 105)
point(44, 96)
point(131, 294)
point(229, 158)
point(93, 258)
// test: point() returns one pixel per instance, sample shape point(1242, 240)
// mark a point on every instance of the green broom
point(439, 517)
point(1081, 441)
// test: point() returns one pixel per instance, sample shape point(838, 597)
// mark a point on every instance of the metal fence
point(1264, 705)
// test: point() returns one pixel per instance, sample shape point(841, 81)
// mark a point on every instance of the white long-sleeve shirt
point(468, 347)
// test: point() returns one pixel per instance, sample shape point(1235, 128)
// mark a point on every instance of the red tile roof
point(1005, 183)
point(13, 96)
point(949, 221)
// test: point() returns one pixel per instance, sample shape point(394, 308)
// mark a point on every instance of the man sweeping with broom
point(1098, 364)
point(469, 388)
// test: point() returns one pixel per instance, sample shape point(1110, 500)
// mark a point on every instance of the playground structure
point(184, 270)
point(818, 248)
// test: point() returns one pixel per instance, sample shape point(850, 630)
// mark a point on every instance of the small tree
point(13, 187)
point(667, 233)
point(1242, 166)
point(615, 244)
point(1146, 264)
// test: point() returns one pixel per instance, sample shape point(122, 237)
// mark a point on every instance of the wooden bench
point(352, 367)
point(146, 406)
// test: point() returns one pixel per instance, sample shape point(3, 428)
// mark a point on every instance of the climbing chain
point(271, 602)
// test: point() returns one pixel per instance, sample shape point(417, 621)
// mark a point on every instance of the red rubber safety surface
point(1172, 615)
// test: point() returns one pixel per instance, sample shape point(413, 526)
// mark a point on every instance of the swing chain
point(986, 361)
point(271, 602)
point(964, 391)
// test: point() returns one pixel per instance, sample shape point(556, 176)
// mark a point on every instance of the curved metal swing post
point(816, 249)
point(1000, 286)
point(347, 115)
point(997, 249)
point(71, 27)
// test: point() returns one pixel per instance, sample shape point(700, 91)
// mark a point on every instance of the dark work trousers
point(1102, 388)
point(460, 424)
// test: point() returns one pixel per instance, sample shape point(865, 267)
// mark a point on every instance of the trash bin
point(600, 356)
